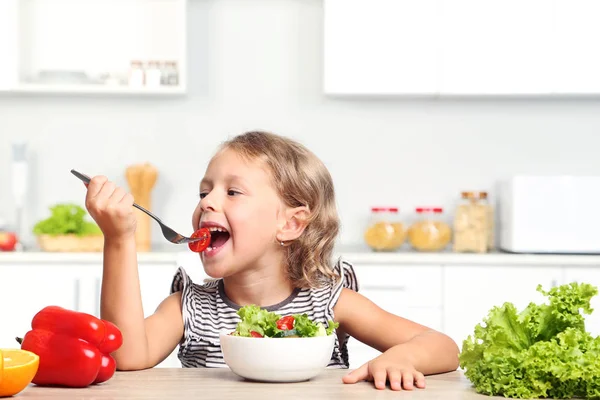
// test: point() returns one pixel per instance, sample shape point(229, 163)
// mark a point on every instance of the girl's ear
point(294, 224)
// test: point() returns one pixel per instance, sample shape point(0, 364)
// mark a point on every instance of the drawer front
point(409, 286)
point(470, 292)
point(360, 353)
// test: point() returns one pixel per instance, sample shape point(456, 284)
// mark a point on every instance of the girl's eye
point(203, 195)
point(232, 192)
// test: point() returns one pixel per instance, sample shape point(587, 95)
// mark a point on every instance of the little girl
point(270, 205)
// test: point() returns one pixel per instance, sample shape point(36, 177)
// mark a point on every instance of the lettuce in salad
point(258, 322)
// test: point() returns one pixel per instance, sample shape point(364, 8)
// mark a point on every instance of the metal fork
point(167, 232)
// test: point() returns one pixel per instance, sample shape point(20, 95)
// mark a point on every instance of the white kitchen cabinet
point(8, 44)
point(380, 46)
point(481, 55)
point(155, 282)
point(589, 275)
point(409, 291)
point(409, 285)
point(64, 46)
point(359, 353)
point(26, 289)
point(470, 292)
point(576, 38)
point(461, 47)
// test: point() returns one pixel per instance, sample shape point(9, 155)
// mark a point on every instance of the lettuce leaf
point(66, 219)
point(543, 351)
point(254, 318)
point(307, 328)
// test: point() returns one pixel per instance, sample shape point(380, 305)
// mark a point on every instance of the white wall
point(257, 65)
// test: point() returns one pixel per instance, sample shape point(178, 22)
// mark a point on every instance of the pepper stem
point(19, 340)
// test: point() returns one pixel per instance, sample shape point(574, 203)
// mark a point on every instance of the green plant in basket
point(66, 219)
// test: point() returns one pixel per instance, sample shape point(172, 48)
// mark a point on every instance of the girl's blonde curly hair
point(301, 179)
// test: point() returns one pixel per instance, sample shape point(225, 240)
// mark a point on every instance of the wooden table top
point(221, 383)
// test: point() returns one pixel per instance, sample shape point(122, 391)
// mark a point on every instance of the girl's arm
point(148, 341)
point(410, 350)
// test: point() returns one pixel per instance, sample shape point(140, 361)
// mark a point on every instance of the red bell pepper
point(74, 347)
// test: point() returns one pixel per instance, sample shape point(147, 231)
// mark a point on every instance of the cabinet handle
point(382, 287)
point(76, 295)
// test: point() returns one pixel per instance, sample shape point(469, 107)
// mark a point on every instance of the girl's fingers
point(420, 380)
point(104, 194)
point(408, 380)
point(127, 199)
point(95, 185)
point(379, 377)
point(359, 374)
point(395, 378)
point(117, 195)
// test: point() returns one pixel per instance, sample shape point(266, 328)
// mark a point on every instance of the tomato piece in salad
point(286, 323)
point(255, 334)
point(200, 245)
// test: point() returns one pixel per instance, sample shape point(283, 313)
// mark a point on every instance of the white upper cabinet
point(93, 46)
point(576, 59)
point(380, 46)
point(461, 47)
point(494, 47)
point(8, 44)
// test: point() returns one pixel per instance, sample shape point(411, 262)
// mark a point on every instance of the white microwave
point(549, 214)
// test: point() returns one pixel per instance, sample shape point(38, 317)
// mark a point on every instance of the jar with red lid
point(385, 231)
point(429, 232)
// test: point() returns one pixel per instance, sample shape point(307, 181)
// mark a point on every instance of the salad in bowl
point(258, 322)
point(254, 349)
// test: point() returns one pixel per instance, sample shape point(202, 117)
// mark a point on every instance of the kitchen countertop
point(355, 254)
point(221, 383)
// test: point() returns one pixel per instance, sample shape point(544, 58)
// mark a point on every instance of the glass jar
point(173, 79)
point(429, 232)
point(385, 232)
point(153, 74)
point(472, 223)
point(483, 198)
point(137, 75)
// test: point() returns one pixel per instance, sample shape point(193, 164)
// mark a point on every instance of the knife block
point(141, 179)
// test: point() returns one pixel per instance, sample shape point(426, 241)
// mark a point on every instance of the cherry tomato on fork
point(200, 245)
point(285, 323)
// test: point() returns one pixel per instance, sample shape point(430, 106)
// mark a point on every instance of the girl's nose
point(207, 203)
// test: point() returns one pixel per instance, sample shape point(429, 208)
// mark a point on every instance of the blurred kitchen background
point(72, 94)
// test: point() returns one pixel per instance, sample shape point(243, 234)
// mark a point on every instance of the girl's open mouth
point(219, 236)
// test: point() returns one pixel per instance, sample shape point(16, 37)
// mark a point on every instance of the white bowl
point(277, 359)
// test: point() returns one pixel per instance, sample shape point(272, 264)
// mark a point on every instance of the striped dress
point(207, 311)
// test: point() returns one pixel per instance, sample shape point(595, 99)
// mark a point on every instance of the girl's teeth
point(216, 229)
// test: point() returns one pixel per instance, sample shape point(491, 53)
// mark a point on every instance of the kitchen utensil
point(168, 233)
point(19, 182)
point(141, 179)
